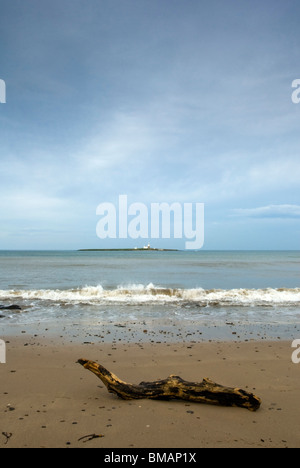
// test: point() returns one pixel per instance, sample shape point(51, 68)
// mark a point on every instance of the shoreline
point(153, 331)
point(47, 400)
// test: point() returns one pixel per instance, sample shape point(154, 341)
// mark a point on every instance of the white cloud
point(31, 206)
point(271, 211)
point(120, 141)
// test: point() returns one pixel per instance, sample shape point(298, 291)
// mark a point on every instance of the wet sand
point(48, 400)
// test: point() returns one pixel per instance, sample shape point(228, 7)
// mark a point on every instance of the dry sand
point(47, 400)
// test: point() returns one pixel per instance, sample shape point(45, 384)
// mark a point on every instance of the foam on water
point(143, 294)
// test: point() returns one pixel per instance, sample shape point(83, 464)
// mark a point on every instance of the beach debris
point(11, 307)
point(90, 437)
point(8, 435)
point(175, 387)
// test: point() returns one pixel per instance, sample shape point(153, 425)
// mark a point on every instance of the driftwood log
point(175, 388)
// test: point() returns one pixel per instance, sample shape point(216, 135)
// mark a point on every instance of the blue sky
point(161, 100)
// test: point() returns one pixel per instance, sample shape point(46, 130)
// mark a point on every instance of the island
point(135, 249)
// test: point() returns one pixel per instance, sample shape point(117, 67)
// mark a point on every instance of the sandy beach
point(48, 400)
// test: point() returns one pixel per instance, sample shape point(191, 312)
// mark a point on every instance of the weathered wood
point(175, 387)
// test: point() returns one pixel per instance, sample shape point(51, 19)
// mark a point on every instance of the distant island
point(135, 249)
point(128, 250)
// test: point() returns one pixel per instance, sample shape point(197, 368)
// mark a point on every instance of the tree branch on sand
point(174, 387)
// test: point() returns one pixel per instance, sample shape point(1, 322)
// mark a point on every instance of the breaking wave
point(140, 294)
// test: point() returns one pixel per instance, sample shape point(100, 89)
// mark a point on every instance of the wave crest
point(141, 294)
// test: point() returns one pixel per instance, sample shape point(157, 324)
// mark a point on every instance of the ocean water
point(203, 288)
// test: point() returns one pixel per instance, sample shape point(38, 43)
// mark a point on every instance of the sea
point(186, 294)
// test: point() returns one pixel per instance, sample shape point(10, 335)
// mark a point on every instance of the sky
point(161, 100)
